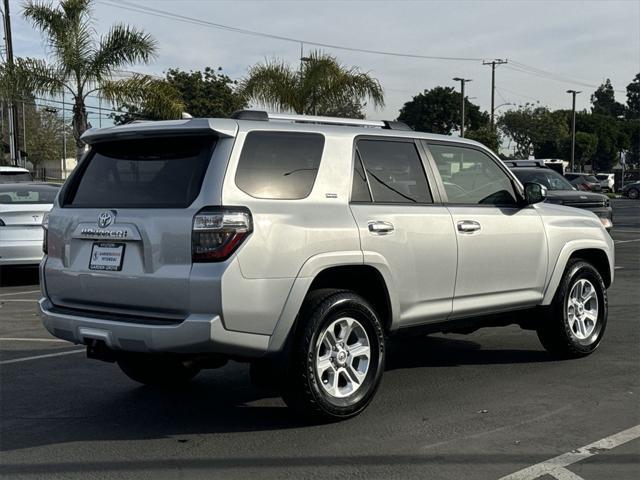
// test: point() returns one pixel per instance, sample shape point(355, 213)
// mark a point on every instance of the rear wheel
point(633, 193)
point(157, 370)
point(337, 360)
point(574, 323)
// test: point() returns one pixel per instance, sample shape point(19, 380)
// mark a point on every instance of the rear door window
point(279, 165)
point(394, 172)
point(162, 172)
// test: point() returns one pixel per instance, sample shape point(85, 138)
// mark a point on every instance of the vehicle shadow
point(92, 401)
point(18, 276)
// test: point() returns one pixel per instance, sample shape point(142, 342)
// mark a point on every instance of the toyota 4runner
point(299, 244)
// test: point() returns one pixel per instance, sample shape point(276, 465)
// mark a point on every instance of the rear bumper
point(27, 252)
point(196, 334)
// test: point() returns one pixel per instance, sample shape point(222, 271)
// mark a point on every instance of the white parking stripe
point(556, 466)
point(626, 241)
point(13, 339)
point(36, 357)
point(4, 300)
point(19, 293)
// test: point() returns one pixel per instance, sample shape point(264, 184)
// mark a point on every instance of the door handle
point(380, 228)
point(468, 226)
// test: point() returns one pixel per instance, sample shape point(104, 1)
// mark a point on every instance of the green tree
point(538, 127)
point(321, 86)
point(204, 93)
point(604, 101)
point(586, 145)
point(633, 98)
point(489, 137)
point(81, 64)
point(611, 134)
point(438, 111)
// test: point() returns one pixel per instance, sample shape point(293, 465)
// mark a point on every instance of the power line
point(123, 4)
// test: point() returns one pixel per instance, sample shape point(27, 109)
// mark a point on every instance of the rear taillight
point(218, 232)
point(45, 233)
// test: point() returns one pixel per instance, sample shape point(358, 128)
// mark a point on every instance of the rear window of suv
point(164, 172)
point(279, 165)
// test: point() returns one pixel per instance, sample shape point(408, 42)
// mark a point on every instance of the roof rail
point(287, 117)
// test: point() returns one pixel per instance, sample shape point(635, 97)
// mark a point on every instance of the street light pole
point(14, 150)
point(573, 127)
point(462, 82)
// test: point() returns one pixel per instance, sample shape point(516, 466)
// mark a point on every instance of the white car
point(14, 174)
point(22, 209)
point(607, 181)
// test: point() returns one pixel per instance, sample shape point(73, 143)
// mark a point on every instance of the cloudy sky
point(588, 41)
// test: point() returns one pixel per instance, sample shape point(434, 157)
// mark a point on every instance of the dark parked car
point(632, 190)
point(584, 182)
point(560, 191)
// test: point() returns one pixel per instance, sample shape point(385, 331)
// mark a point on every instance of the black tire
point(157, 370)
point(555, 332)
point(302, 390)
point(633, 193)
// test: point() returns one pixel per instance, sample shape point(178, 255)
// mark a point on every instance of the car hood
point(575, 196)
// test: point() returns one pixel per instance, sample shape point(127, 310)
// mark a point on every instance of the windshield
point(544, 176)
point(20, 195)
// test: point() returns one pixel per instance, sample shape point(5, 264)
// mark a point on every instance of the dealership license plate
point(106, 256)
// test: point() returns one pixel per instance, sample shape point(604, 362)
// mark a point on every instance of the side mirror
point(534, 193)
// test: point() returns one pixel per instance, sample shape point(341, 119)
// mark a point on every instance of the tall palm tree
point(81, 63)
point(321, 85)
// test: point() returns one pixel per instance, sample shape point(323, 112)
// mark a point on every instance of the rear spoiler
point(220, 127)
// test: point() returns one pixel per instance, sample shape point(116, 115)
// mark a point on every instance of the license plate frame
point(97, 259)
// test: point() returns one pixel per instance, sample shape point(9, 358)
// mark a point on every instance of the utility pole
point(462, 82)
point(493, 64)
point(573, 127)
point(11, 110)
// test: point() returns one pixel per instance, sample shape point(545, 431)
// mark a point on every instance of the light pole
point(573, 127)
point(462, 82)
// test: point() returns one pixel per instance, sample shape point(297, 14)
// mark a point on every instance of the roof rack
point(525, 163)
point(258, 115)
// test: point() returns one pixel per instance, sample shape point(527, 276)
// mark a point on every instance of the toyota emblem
point(105, 219)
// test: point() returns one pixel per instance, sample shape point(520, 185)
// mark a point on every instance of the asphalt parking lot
point(488, 405)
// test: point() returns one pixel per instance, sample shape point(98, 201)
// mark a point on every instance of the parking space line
point(626, 241)
point(3, 300)
point(36, 357)
point(14, 339)
point(555, 467)
point(19, 293)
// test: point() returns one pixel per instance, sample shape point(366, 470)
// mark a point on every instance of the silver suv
point(300, 244)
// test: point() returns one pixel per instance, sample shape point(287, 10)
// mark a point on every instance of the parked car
point(23, 207)
point(299, 244)
point(584, 182)
point(607, 181)
point(560, 191)
point(14, 174)
point(631, 190)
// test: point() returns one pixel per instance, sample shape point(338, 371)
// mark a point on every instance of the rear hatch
point(120, 242)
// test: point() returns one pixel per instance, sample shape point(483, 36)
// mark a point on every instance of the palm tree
point(321, 86)
point(81, 63)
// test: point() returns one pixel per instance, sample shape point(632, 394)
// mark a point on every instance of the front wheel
point(574, 323)
point(157, 370)
point(633, 193)
point(337, 360)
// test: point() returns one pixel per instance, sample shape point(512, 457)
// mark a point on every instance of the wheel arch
point(597, 253)
point(365, 280)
